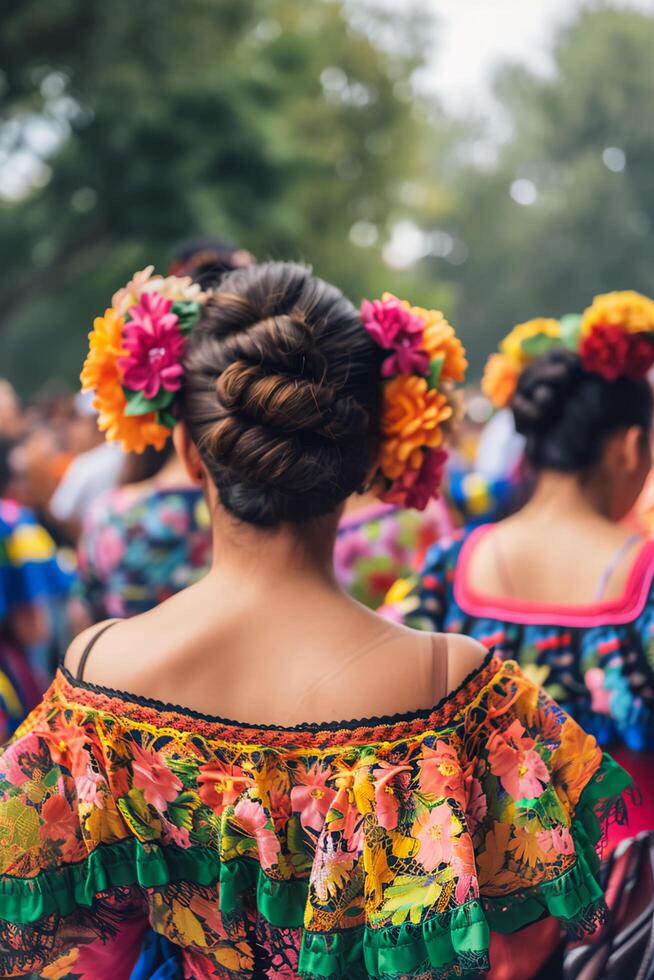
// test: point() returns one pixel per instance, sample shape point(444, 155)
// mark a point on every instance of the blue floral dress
point(140, 547)
point(597, 661)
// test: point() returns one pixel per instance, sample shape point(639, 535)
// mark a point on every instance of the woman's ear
point(188, 453)
point(632, 449)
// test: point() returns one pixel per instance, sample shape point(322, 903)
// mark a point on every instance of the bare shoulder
point(82, 642)
point(464, 655)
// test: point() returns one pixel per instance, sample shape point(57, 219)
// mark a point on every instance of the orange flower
point(574, 763)
point(439, 338)
point(61, 967)
point(500, 379)
point(101, 375)
point(411, 421)
point(627, 309)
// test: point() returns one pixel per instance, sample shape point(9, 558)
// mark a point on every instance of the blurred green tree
point(278, 123)
point(567, 210)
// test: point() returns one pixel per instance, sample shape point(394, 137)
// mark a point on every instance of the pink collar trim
point(624, 609)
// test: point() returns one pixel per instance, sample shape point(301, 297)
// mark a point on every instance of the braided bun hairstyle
point(566, 413)
point(282, 394)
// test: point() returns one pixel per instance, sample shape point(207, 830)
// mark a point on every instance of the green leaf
point(570, 330)
point(435, 370)
point(138, 404)
point(139, 817)
point(167, 419)
point(188, 314)
point(540, 344)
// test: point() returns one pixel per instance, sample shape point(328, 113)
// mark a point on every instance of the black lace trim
point(307, 726)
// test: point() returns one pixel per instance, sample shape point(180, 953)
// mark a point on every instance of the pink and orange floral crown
point(424, 359)
point(134, 369)
point(134, 363)
point(614, 338)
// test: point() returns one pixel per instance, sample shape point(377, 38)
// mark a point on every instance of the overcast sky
point(477, 35)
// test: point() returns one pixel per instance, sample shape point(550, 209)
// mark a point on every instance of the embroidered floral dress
point(597, 661)
point(380, 544)
point(140, 547)
point(136, 832)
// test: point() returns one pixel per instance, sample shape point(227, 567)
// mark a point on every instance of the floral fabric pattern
point(385, 848)
point(382, 544)
point(600, 671)
point(139, 548)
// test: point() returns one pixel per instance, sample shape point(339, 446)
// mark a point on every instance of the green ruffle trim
point(457, 939)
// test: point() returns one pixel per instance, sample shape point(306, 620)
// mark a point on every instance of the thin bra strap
point(439, 658)
point(89, 646)
point(502, 567)
point(613, 564)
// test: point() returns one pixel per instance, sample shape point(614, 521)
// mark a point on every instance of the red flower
point(613, 353)
point(415, 488)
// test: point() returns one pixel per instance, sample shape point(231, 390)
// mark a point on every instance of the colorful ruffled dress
point(146, 840)
point(377, 545)
point(30, 574)
point(597, 661)
point(140, 547)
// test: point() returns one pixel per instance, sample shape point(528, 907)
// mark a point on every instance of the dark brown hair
point(282, 392)
point(567, 413)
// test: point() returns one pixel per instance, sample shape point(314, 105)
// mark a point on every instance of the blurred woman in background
point(143, 541)
point(563, 586)
point(32, 585)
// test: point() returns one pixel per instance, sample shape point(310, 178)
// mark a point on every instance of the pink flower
point(433, 828)
point(68, 748)
point(10, 760)
point(87, 788)
point(60, 821)
point(159, 785)
point(251, 819)
point(394, 328)
point(415, 488)
point(463, 863)
point(519, 767)
point(476, 805)
point(440, 771)
point(280, 808)
point(109, 549)
point(386, 795)
point(558, 839)
point(600, 696)
point(312, 798)
point(176, 835)
point(220, 785)
point(155, 345)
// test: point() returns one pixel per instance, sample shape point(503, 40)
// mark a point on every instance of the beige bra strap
point(439, 662)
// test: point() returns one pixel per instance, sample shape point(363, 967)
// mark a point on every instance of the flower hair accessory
point(134, 363)
point(424, 358)
point(614, 338)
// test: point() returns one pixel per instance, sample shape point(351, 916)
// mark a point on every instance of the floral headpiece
point(134, 364)
point(424, 359)
point(614, 338)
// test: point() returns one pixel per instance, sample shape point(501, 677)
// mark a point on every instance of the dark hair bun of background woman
point(282, 393)
point(567, 413)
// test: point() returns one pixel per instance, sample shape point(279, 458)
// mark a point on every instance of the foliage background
point(297, 130)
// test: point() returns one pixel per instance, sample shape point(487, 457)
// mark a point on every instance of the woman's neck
point(275, 556)
point(561, 494)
